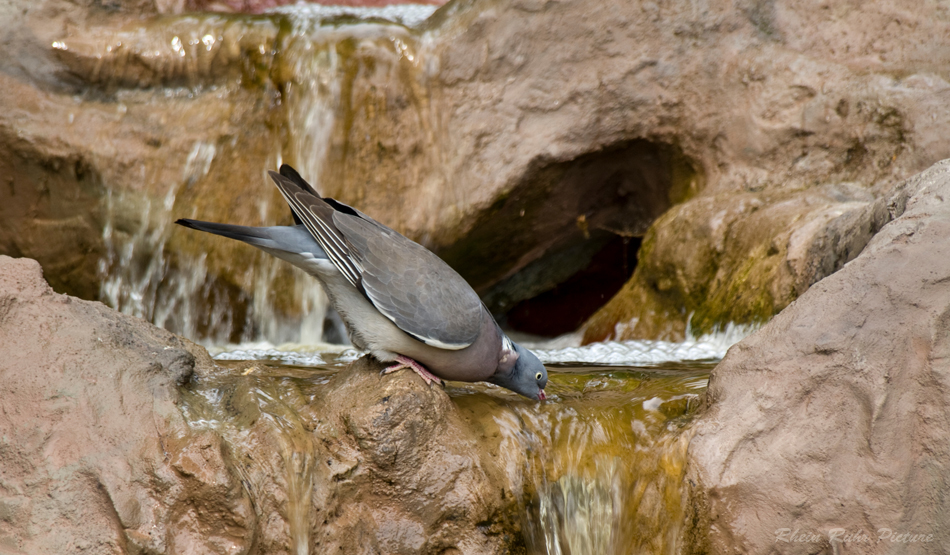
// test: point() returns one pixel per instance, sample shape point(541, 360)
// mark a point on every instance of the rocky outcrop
point(103, 441)
point(753, 100)
point(737, 258)
point(827, 430)
point(516, 139)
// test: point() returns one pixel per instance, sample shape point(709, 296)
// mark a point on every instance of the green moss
point(710, 261)
point(745, 298)
point(685, 180)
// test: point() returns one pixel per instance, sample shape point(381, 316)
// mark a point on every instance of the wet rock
point(515, 139)
point(95, 443)
point(737, 258)
point(416, 480)
point(203, 50)
point(827, 429)
point(113, 135)
point(362, 464)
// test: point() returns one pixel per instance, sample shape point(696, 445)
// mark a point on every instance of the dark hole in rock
point(563, 309)
point(540, 254)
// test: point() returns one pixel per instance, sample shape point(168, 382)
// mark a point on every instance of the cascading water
point(135, 272)
point(606, 463)
point(139, 275)
point(598, 468)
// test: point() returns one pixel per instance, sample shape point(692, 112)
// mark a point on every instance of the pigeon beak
point(541, 395)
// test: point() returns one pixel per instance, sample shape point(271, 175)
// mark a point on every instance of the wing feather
point(412, 286)
point(407, 283)
point(302, 203)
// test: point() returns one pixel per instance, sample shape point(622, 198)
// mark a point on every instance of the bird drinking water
point(399, 301)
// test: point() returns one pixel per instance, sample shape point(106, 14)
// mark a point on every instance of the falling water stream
point(304, 47)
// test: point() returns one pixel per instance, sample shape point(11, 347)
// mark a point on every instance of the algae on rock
point(737, 258)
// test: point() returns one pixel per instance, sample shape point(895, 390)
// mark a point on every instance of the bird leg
point(406, 362)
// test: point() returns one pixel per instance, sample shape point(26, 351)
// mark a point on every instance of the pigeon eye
point(538, 376)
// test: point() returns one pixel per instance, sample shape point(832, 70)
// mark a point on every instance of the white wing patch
point(427, 340)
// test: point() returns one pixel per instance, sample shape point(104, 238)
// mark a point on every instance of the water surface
point(598, 468)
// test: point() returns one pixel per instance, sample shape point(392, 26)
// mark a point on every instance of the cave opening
point(569, 304)
point(562, 242)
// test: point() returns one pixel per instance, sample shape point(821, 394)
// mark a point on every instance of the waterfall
point(602, 476)
point(140, 274)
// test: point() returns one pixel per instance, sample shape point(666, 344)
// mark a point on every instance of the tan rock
point(102, 439)
point(90, 427)
point(737, 258)
point(831, 421)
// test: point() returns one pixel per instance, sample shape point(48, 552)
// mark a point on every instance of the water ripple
point(562, 350)
point(409, 15)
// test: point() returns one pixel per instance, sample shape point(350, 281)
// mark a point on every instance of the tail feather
point(293, 240)
point(252, 235)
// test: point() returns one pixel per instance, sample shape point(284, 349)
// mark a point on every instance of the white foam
point(290, 354)
point(409, 15)
point(710, 347)
point(652, 404)
point(561, 350)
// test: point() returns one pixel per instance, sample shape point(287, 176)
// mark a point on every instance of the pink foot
point(406, 362)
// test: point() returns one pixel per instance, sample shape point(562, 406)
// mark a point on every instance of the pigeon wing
point(406, 282)
point(317, 217)
point(293, 176)
point(411, 286)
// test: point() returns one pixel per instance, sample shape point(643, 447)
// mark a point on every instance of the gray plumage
point(396, 298)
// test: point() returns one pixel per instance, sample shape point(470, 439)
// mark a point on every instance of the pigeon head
point(520, 371)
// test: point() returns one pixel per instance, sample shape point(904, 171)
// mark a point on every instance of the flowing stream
point(598, 468)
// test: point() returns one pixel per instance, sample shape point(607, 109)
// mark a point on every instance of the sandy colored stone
point(513, 138)
point(100, 453)
point(91, 457)
point(738, 258)
point(835, 414)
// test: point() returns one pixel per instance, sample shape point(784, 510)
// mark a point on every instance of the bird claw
point(406, 362)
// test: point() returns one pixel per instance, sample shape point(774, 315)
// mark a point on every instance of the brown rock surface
point(737, 258)
point(89, 423)
point(97, 455)
point(515, 138)
point(835, 414)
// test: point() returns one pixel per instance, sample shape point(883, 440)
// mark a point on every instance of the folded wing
point(407, 283)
